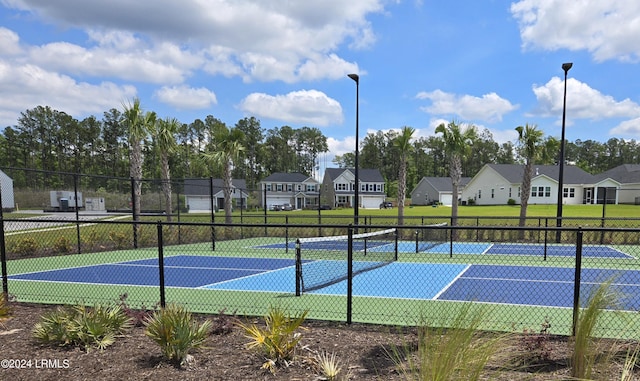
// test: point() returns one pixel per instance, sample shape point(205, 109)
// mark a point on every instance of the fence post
point(3, 254)
point(576, 280)
point(213, 215)
point(75, 191)
point(349, 273)
point(161, 265)
point(298, 268)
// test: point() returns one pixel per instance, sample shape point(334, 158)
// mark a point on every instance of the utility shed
point(6, 183)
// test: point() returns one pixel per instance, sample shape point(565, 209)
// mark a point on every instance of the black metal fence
point(522, 274)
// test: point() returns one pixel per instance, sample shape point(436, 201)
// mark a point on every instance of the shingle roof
point(364, 174)
point(624, 174)
point(286, 177)
point(572, 174)
point(443, 184)
point(194, 187)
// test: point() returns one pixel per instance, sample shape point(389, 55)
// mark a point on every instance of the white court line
point(436, 296)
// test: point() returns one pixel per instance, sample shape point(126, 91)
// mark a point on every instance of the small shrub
point(137, 315)
point(81, 326)
point(223, 324)
point(119, 239)
point(511, 202)
point(26, 246)
point(62, 245)
point(176, 332)
point(5, 309)
point(277, 341)
point(328, 365)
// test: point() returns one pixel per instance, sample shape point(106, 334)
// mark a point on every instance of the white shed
point(6, 183)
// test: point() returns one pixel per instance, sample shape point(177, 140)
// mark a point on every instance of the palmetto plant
point(82, 326)
point(277, 341)
point(175, 330)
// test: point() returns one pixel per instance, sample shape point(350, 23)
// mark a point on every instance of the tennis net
point(430, 236)
point(323, 261)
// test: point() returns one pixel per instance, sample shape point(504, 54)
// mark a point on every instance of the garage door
point(277, 201)
point(198, 204)
point(371, 202)
point(445, 199)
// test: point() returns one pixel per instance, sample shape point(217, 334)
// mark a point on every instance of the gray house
point(297, 189)
point(436, 189)
point(198, 194)
point(338, 187)
point(624, 185)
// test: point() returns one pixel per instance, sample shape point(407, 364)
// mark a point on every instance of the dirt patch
point(363, 351)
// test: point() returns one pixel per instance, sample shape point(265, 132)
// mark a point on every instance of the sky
point(494, 64)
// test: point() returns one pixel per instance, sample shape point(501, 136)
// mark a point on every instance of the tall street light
point(357, 180)
point(565, 67)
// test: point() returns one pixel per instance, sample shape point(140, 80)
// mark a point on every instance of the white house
point(495, 184)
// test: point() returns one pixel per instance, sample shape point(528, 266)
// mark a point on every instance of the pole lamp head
point(567, 66)
point(355, 77)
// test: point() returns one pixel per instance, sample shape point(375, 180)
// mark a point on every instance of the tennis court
point(501, 284)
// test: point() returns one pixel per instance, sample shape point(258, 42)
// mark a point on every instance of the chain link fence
point(419, 272)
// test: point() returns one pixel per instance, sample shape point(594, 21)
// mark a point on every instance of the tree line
point(52, 140)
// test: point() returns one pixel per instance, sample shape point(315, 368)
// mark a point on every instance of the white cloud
point(583, 102)
point(186, 98)
point(627, 128)
point(607, 29)
point(267, 41)
point(306, 106)
point(9, 42)
point(31, 85)
point(490, 107)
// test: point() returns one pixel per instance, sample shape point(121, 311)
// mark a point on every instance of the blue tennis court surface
point(523, 285)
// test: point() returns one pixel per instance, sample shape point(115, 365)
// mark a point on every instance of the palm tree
point(457, 145)
point(164, 135)
point(529, 140)
point(403, 143)
point(226, 147)
point(138, 125)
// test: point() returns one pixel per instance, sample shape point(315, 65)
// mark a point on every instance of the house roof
point(194, 187)
point(443, 184)
point(286, 177)
point(364, 174)
point(624, 174)
point(572, 174)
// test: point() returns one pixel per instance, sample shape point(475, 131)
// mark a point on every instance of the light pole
point(565, 67)
point(355, 193)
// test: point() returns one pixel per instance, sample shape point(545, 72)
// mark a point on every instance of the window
point(569, 192)
point(509, 192)
point(269, 187)
point(289, 187)
point(479, 193)
point(343, 200)
point(493, 192)
point(547, 191)
point(341, 186)
point(279, 187)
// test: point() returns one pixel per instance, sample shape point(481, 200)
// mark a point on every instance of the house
point(623, 186)
point(495, 184)
point(338, 187)
point(198, 194)
point(297, 189)
point(6, 186)
point(436, 189)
